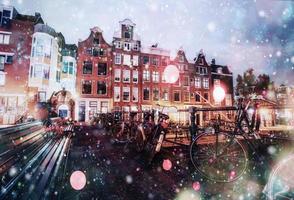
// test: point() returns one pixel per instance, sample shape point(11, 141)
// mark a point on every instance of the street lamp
point(219, 94)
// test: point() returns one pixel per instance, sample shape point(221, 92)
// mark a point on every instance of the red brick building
point(15, 48)
point(126, 68)
point(94, 76)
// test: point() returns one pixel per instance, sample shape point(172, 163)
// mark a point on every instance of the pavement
point(118, 173)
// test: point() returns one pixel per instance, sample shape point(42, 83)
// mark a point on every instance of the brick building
point(126, 68)
point(16, 32)
point(94, 76)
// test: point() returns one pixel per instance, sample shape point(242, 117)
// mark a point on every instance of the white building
point(44, 69)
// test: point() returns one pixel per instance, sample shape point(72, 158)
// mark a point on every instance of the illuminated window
point(146, 75)
point(126, 76)
point(198, 82)
point(155, 77)
point(117, 75)
point(117, 59)
point(205, 83)
point(2, 78)
point(135, 94)
point(116, 91)
point(228, 100)
point(135, 76)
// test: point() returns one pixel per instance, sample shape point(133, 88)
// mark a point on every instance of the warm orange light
point(219, 94)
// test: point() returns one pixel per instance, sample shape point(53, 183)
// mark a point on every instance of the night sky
point(238, 33)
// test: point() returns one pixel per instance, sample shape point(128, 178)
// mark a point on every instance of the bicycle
point(130, 133)
point(220, 155)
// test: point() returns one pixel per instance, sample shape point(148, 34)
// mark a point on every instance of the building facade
point(16, 32)
point(126, 68)
point(94, 76)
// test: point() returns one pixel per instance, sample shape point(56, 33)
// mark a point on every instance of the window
point(126, 76)
point(4, 39)
point(155, 77)
point(98, 52)
point(186, 96)
point(181, 58)
point(96, 41)
point(102, 69)
point(135, 76)
point(89, 51)
point(2, 78)
point(198, 70)
point(135, 60)
point(198, 82)
point(87, 67)
point(117, 59)
point(101, 87)
point(126, 94)
point(205, 96)
point(135, 94)
point(176, 96)
point(118, 44)
point(65, 68)
point(136, 46)
point(186, 81)
point(46, 75)
point(145, 60)
point(6, 13)
point(203, 70)
point(38, 71)
point(2, 61)
point(117, 75)
point(71, 68)
point(9, 59)
point(146, 75)
point(219, 70)
point(197, 97)
point(127, 59)
point(165, 95)
point(228, 100)
point(206, 83)
point(127, 34)
point(155, 94)
point(146, 94)
point(86, 87)
point(116, 92)
point(127, 46)
point(154, 61)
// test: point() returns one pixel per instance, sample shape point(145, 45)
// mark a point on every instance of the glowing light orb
point(167, 164)
point(78, 180)
point(196, 186)
point(171, 74)
point(219, 94)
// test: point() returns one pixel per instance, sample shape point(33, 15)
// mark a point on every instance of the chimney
point(213, 61)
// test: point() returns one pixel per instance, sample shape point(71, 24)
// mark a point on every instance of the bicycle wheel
point(222, 161)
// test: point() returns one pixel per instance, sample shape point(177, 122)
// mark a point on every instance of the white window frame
point(127, 59)
point(197, 82)
point(117, 75)
point(126, 89)
point(229, 100)
point(117, 59)
point(135, 60)
point(135, 75)
point(2, 78)
point(126, 76)
point(127, 46)
point(118, 44)
point(135, 93)
point(146, 75)
point(206, 83)
point(116, 91)
point(155, 77)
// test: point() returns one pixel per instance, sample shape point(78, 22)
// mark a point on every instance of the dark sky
point(238, 33)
